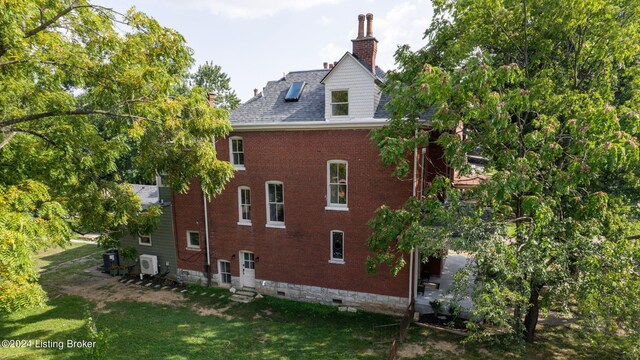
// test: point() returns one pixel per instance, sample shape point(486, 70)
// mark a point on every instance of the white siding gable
point(364, 94)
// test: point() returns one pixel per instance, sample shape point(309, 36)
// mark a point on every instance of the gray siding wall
point(162, 240)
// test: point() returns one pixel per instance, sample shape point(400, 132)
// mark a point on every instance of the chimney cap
point(369, 25)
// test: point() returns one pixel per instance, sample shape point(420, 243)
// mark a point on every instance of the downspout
point(206, 236)
point(424, 155)
point(413, 192)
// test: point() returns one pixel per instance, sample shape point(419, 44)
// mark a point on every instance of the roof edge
point(342, 59)
point(312, 125)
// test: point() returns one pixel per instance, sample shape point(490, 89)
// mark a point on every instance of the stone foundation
point(360, 300)
point(364, 301)
point(193, 277)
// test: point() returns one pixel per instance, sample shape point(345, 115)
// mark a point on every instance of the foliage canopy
point(547, 93)
point(80, 86)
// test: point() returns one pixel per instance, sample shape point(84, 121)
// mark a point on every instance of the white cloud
point(332, 52)
point(253, 9)
point(325, 20)
point(405, 23)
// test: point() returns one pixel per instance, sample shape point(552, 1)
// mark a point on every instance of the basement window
point(295, 90)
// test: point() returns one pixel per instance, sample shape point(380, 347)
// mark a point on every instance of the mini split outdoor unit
point(148, 264)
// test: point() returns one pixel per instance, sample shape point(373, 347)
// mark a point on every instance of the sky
point(256, 41)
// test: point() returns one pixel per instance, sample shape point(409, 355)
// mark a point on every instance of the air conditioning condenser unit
point(148, 264)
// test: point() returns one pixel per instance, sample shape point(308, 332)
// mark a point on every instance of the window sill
point(193, 248)
point(335, 261)
point(244, 223)
point(336, 208)
point(275, 226)
point(239, 167)
point(143, 244)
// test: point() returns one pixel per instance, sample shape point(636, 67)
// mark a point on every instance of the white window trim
point(242, 221)
point(235, 166)
point(273, 224)
point(332, 260)
point(220, 283)
point(331, 103)
point(330, 205)
point(145, 244)
point(189, 245)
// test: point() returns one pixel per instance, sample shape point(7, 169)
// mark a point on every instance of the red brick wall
point(366, 49)
point(189, 216)
point(299, 254)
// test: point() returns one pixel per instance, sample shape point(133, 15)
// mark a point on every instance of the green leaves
point(545, 92)
point(87, 95)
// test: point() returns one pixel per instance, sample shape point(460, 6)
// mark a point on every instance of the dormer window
point(340, 103)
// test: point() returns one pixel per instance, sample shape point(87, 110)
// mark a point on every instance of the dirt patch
point(213, 312)
point(420, 350)
point(105, 289)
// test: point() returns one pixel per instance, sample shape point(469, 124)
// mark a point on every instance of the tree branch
point(46, 24)
point(72, 113)
point(36, 134)
point(73, 6)
point(6, 139)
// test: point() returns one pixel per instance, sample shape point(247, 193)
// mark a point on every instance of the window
point(337, 247)
point(225, 271)
point(295, 90)
point(236, 147)
point(193, 239)
point(244, 205)
point(144, 240)
point(340, 103)
point(275, 204)
point(337, 185)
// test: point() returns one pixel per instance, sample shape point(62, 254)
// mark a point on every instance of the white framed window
point(337, 247)
point(275, 204)
point(340, 103)
point(144, 240)
point(224, 269)
point(193, 239)
point(236, 152)
point(244, 205)
point(337, 185)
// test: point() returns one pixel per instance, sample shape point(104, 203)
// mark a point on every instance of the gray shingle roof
point(270, 107)
point(148, 194)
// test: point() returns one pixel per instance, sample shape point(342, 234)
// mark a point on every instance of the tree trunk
point(531, 319)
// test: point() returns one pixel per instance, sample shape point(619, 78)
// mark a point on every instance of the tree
point(547, 92)
point(211, 78)
point(80, 86)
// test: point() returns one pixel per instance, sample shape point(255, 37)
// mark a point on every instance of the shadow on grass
point(60, 321)
point(281, 331)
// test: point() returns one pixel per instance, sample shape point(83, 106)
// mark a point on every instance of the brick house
point(293, 221)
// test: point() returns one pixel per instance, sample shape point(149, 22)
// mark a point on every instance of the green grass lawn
point(210, 326)
point(268, 328)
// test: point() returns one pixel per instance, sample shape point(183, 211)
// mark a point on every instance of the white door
point(247, 266)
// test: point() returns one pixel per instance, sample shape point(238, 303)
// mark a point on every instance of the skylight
point(295, 91)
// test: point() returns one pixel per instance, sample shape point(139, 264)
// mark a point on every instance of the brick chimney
point(211, 97)
point(366, 47)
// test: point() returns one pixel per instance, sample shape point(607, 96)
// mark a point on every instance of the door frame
point(242, 274)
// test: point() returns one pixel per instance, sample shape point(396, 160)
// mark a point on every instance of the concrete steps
point(243, 296)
